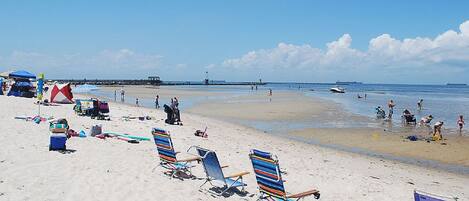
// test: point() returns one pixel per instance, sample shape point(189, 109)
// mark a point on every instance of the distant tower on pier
point(206, 78)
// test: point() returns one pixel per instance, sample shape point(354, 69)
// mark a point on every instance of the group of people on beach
point(409, 118)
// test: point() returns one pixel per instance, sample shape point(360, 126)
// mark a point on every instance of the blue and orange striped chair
point(168, 160)
point(269, 178)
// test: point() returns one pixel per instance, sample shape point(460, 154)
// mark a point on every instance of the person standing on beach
point(270, 95)
point(461, 123)
point(157, 104)
point(122, 94)
point(115, 95)
point(420, 104)
point(256, 87)
point(391, 108)
point(136, 102)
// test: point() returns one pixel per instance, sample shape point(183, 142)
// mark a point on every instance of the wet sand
point(286, 106)
point(452, 150)
point(163, 91)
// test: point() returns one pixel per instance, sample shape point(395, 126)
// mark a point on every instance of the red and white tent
point(61, 93)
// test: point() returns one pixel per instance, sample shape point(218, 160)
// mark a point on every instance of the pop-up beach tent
point(61, 93)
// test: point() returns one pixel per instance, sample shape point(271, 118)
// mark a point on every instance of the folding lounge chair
point(215, 175)
point(167, 155)
point(269, 178)
point(423, 196)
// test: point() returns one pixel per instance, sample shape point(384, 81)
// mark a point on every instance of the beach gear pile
point(58, 134)
point(36, 119)
point(94, 108)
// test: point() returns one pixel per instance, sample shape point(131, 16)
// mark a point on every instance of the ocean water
point(445, 103)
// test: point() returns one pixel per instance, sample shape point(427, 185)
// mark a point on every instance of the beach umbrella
point(6, 74)
point(22, 74)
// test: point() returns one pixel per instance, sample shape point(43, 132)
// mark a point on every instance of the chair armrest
point(240, 174)
point(177, 152)
point(225, 166)
point(194, 158)
point(303, 194)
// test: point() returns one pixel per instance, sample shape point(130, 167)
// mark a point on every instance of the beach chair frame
point(263, 163)
point(167, 155)
point(222, 179)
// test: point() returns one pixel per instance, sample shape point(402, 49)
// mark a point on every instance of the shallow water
point(444, 102)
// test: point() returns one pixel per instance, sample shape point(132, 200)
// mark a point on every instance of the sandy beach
point(116, 170)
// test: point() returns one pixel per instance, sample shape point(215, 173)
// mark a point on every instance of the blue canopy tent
point(21, 74)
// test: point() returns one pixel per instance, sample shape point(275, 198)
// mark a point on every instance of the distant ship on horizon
point(347, 83)
point(456, 84)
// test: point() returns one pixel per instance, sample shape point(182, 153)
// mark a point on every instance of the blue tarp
point(21, 89)
point(23, 84)
point(1, 86)
point(22, 74)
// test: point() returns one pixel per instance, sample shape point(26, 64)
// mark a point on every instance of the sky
point(421, 41)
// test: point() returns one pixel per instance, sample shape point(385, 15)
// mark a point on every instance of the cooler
point(57, 141)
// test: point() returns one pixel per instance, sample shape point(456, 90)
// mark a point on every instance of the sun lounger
point(168, 160)
point(423, 196)
point(269, 178)
point(215, 175)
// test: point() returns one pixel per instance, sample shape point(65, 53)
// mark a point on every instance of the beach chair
point(215, 175)
point(269, 178)
point(423, 196)
point(168, 160)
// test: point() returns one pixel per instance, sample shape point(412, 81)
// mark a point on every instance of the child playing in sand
point(461, 123)
point(437, 129)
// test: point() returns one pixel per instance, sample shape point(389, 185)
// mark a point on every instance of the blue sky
point(238, 40)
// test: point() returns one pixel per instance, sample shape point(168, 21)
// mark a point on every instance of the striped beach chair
point(424, 196)
point(215, 175)
point(269, 178)
point(168, 160)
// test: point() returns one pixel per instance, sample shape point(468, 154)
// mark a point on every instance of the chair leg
point(204, 183)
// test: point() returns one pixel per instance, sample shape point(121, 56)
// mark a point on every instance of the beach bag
point(96, 130)
point(58, 126)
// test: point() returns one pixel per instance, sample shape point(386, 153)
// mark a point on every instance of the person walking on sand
point(136, 102)
point(391, 108)
point(420, 104)
point(157, 104)
point(437, 129)
point(461, 123)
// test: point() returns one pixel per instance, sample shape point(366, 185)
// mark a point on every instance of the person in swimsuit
point(461, 123)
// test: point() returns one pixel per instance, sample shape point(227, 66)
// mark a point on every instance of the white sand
point(116, 170)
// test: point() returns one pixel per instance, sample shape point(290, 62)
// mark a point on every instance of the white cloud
point(409, 57)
